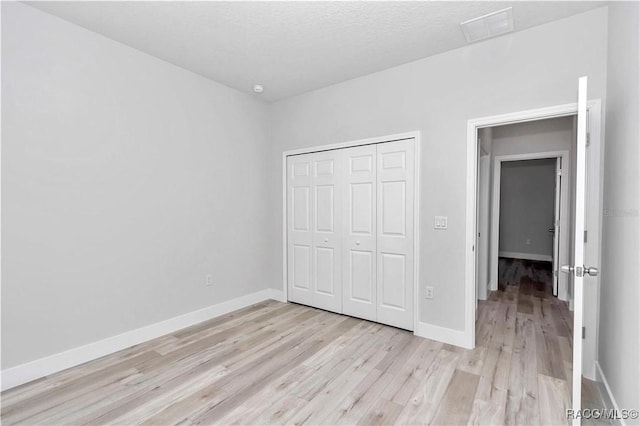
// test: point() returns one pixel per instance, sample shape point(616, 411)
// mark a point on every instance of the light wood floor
point(275, 363)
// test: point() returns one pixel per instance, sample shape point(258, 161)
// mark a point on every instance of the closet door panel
point(359, 233)
point(299, 228)
point(394, 255)
point(327, 230)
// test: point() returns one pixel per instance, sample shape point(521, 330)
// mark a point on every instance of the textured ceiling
point(293, 47)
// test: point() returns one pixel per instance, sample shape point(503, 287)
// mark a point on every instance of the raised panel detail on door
point(300, 169)
point(393, 160)
point(359, 236)
point(324, 208)
point(362, 163)
point(361, 203)
point(393, 281)
point(324, 270)
point(301, 210)
point(394, 208)
point(395, 243)
point(361, 288)
point(301, 267)
point(324, 167)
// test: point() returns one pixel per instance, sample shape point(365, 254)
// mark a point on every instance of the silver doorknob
point(591, 271)
point(326, 240)
point(567, 269)
point(552, 230)
point(358, 242)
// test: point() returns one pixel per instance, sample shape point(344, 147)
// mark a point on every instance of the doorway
point(593, 204)
point(531, 206)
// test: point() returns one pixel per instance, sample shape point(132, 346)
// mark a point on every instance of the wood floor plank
point(553, 400)
point(549, 359)
point(522, 407)
point(359, 401)
point(422, 406)
point(382, 412)
point(407, 372)
point(282, 363)
point(457, 402)
point(270, 367)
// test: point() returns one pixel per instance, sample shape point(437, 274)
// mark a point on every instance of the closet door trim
point(416, 206)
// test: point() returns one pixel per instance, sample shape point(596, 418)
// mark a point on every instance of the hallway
point(529, 333)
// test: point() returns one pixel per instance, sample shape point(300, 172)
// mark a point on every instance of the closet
point(350, 235)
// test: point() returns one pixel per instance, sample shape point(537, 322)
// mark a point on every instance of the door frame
point(415, 135)
point(565, 242)
point(593, 220)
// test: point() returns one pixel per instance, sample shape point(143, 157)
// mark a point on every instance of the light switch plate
point(440, 222)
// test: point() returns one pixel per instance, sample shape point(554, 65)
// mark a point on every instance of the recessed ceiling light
point(258, 88)
point(490, 25)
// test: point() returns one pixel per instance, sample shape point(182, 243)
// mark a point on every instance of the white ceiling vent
point(489, 25)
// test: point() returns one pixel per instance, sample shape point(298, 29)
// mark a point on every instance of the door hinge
point(588, 138)
point(584, 331)
point(585, 235)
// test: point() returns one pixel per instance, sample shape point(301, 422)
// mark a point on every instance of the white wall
point(124, 181)
point(436, 96)
point(527, 199)
point(549, 135)
point(619, 348)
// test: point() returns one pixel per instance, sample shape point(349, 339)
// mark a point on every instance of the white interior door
point(578, 269)
point(327, 230)
point(556, 225)
point(299, 225)
point(395, 175)
point(359, 225)
point(482, 252)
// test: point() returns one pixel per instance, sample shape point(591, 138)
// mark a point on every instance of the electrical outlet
point(440, 222)
point(428, 292)
point(209, 280)
point(528, 242)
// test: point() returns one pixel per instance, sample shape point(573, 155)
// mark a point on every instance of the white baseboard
point(526, 256)
point(600, 377)
point(443, 334)
point(23, 373)
point(275, 294)
point(493, 284)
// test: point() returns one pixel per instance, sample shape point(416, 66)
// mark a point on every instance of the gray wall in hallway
point(527, 199)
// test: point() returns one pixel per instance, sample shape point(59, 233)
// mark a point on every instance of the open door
point(556, 226)
point(578, 269)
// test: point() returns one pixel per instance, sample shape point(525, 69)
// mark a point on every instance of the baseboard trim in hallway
point(611, 403)
point(42, 367)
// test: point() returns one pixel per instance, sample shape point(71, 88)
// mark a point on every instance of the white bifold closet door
point(395, 174)
point(350, 245)
point(359, 242)
point(315, 230)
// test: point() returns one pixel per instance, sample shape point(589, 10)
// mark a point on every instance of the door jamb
point(593, 222)
point(415, 135)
